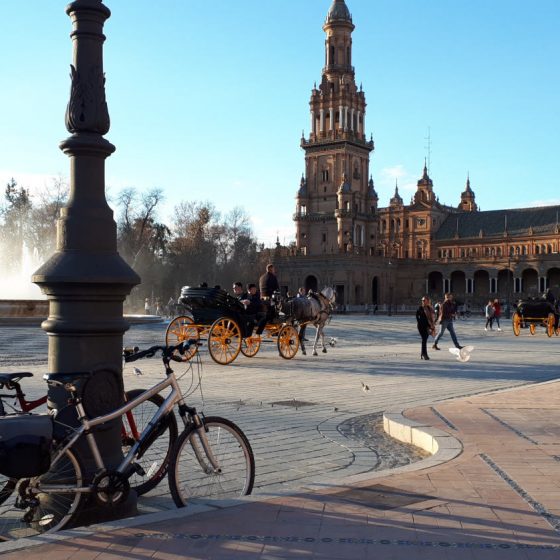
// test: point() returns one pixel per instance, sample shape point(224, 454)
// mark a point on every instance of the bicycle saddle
point(10, 377)
point(66, 377)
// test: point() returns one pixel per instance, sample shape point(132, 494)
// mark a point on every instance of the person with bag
point(426, 325)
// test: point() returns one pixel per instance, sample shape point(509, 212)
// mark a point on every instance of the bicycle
point(211, 457)
point(153, 462)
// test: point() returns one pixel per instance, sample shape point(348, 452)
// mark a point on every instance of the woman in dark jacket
point(426, 324)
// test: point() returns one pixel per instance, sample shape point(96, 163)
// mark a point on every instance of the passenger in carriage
point(238, 292)
point(255, 308)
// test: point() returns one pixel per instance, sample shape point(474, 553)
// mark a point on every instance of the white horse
point(315, 309)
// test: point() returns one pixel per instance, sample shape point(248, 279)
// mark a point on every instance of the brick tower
point(336, 203)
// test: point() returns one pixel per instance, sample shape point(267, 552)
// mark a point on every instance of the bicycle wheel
point(191, 474)
point(43, 504)
point(155, 459)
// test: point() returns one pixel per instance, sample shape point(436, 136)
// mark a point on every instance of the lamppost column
point(86, 280)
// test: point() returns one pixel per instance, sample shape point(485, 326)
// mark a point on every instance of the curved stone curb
point(442, 446)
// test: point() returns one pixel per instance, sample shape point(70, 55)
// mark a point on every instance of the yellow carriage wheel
point(516, 323)
point(288, 342)
point(224, 340)
point(251, 345)
point(532, 328)
point(550, 325)
point(180, 329)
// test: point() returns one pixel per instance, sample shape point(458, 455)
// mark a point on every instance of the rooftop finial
point(339, 12)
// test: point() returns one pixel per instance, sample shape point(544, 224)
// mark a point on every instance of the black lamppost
point(86, 280)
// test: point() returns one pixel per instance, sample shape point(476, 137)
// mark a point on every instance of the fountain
point(22, 300)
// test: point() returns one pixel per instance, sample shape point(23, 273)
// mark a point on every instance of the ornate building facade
point(392, 255)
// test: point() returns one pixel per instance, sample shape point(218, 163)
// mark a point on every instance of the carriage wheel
point(251, 345)
point(288, 342)
point(532, 328)
point(516, 323)
point(550, 325)
point(180, 329)
point(224, 340)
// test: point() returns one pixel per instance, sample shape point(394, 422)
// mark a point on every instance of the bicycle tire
point(188, 478)
point(155, 459)
point(52, 510)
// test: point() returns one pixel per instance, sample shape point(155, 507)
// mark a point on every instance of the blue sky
point(208, 100)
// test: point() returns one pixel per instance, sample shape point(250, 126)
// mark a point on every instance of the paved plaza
point(308, 419)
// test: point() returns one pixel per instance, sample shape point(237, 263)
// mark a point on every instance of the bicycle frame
point(87, 425)
point(26, 406)
point(174, 397)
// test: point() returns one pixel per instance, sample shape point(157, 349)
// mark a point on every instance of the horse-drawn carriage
point(223, 320)
point(533, 313)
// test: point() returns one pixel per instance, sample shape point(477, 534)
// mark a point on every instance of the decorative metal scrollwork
point(87, 109)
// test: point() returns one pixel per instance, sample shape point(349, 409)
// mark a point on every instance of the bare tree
point(139, 232)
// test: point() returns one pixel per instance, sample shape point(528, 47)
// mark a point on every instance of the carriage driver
point(268, 284)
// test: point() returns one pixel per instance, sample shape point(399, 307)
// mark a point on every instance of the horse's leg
point(301, 336)
point(315, 342)
point(322, 327)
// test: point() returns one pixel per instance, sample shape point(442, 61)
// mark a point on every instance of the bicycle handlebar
point(167, 352)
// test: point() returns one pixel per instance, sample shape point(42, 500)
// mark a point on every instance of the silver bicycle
point(211, 458)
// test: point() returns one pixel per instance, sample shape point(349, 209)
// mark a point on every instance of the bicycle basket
point(25, 444)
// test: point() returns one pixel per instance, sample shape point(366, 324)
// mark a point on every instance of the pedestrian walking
point(425, 320)
point(497, 313)
point(446, 316)
point(489, 314)
point(171, 307)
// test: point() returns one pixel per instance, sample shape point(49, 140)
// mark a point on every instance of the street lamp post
point(86, 280)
